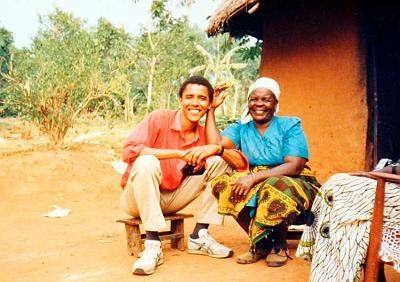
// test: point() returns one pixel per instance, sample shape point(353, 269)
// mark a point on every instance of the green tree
point(59, 77)
point(218, 66)
point(6, 46)
point(165, 55)
point(116, 61)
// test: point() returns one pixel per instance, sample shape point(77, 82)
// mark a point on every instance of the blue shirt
point(283, 137)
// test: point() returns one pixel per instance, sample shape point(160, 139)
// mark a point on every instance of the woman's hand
point(219, 95)
point(242, 187)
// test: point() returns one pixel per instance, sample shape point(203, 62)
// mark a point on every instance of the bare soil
point(88, 244)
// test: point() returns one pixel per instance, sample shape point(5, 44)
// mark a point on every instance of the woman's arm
point(232, 156)
point(292, 166)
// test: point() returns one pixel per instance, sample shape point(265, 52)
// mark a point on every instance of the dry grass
point(18, 136)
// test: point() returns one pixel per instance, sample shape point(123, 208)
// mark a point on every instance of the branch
point(204, 52)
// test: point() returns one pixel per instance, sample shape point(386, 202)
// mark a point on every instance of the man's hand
point(219, 95)
point(241, 188)
point(197, 155)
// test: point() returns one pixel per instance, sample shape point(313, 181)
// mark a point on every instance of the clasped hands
point(196, 156)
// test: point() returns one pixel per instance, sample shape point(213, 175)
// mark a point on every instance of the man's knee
point(147, 163)
point(215, 161)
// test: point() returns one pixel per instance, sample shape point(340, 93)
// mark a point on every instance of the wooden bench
point(135, 239)
point(294, 233)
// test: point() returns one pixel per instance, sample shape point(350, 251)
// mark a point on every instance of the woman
point(278, 188)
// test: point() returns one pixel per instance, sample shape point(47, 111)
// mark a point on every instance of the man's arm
point(142, 139)
point(197, 155)
point(163, 154)
point(226, 148)
point(212, 133)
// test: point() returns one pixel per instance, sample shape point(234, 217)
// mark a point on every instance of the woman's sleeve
point(232, 132)
point(295, 142)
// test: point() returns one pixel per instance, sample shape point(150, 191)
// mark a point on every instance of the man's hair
point(200, 81)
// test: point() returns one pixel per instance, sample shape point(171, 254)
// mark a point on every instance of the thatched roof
point(238, 17)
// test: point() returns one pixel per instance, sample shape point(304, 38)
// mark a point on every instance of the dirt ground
point(88, 244)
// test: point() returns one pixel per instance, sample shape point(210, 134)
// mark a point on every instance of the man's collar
point(177, 125)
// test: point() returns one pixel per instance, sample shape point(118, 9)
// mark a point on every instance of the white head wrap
point(262, 82)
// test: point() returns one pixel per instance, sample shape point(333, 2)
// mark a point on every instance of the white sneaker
point(151, 257)
point(206, 245)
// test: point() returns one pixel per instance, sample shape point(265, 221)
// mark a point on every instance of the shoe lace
point(149, 253)
point(210, 241)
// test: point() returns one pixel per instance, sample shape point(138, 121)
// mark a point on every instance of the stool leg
point(133, 239)
point(178, 228)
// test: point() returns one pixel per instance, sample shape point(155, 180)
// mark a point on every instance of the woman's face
point(262, 105)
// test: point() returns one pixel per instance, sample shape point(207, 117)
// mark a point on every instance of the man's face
point(262, 105)
point(194, 102)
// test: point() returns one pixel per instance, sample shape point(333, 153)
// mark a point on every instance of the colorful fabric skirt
point(275, 200)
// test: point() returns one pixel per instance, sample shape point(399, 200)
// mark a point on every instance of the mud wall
point(316, 55)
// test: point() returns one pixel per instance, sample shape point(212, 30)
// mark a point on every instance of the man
point(154, 182)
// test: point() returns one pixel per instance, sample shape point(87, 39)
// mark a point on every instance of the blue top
point(283, 137)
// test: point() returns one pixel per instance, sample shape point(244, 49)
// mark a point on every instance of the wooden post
point(372, 261)
point(133, 239)
point(178, 228)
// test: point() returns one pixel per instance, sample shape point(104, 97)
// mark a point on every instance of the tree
point(59, 77)
point(116, 63)
point(165, 55)
point(218, 67)
point(6, 45)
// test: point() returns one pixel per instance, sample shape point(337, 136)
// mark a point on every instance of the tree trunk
point(150, 84)
point(235, 101)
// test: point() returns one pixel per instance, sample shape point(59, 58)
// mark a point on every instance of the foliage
point(6, 45)
point(224, 121)
point(249, 51)
point(116, 60)
point(166, 53)
point(63, 73)
point(224, 63)
point(70, 69)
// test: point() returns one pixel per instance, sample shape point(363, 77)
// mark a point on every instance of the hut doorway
point(383, 80)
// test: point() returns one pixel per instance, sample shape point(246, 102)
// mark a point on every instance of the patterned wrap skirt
point(275, 200)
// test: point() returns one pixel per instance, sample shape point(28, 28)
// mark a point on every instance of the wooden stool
point(294, 233)
point(135, 239)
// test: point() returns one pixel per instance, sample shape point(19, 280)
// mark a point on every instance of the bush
point(63, 73)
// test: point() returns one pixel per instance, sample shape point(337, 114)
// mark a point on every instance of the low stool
point(135, 239)
point(295, 232)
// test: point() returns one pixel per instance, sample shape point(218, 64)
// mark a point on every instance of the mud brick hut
point(338, 64)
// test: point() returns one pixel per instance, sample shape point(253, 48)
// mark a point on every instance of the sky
point(21, 16)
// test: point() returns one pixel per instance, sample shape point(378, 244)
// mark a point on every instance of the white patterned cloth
point(337, 239)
